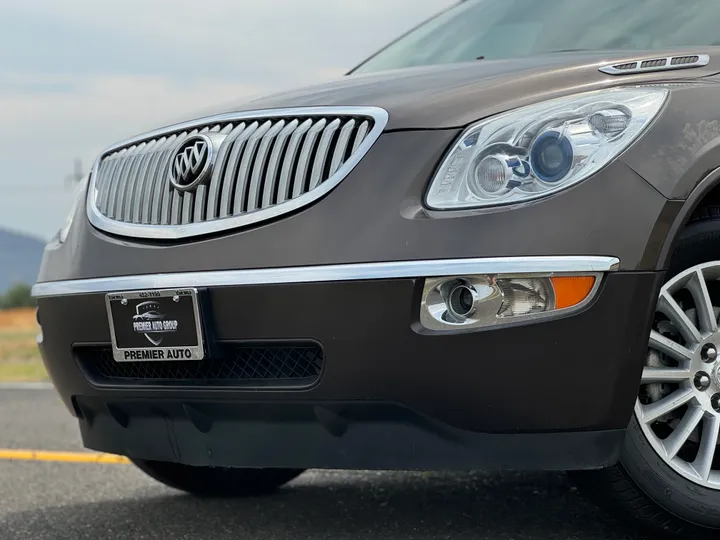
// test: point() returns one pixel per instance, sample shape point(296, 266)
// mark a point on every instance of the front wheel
point(668, 478)
point(217, 481)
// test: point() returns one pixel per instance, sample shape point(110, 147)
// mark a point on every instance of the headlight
point(537, 150)
point(78, 200)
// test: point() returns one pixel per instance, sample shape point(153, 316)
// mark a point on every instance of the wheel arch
point(706, 192)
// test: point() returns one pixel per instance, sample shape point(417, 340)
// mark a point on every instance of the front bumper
point(555, 394)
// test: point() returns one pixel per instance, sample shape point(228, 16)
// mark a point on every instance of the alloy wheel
point(678, 406)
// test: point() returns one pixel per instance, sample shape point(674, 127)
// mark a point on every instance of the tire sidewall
point(666, 487)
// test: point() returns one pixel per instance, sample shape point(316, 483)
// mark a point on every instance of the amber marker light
point(571, 290)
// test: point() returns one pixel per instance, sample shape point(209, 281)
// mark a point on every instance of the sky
point(79, 75)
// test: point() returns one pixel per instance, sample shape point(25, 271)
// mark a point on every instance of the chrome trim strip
point(171, 232)
point(328, 273)
point(703, 60)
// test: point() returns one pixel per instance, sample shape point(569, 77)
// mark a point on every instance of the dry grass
point(19, 356)
point(22, 318)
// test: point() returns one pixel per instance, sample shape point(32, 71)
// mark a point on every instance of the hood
point(454, 95)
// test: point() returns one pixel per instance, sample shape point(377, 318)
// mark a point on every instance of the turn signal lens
point(570, 291)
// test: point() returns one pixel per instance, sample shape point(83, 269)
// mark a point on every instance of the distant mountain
point(20, 256)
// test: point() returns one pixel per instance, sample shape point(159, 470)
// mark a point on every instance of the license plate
point(155, 326)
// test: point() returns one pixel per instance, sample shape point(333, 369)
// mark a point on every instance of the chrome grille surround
point(266, 163)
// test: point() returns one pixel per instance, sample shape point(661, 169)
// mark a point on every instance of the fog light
point(479, 301)
point(461, 301)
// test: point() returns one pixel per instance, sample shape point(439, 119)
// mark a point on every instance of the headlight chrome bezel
point(591, 150)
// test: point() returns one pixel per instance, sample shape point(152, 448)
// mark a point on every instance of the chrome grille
point(267, 164)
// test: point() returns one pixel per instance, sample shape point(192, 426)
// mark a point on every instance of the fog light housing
point(525, 296)
point(450, 303)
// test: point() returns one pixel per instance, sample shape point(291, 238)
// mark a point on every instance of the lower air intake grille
point(237, 364)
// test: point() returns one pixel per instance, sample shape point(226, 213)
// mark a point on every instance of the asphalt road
point(73, 501)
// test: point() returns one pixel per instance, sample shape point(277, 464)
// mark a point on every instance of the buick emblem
point(192, 162)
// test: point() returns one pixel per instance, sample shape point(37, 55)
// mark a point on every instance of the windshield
point(493, 29)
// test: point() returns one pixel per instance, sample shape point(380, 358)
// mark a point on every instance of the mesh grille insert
point(237, 364)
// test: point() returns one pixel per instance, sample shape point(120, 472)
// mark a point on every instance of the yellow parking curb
point(67, 457)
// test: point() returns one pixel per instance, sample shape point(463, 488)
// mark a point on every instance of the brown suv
point(496, 243)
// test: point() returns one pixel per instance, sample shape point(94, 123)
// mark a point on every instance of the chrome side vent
point(625, 67)
point(657, 64)
point(684, 60)
point(654, 63)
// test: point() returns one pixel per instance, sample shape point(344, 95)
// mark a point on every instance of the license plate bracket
point(155, 325)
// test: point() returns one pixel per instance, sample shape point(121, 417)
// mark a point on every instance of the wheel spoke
point(665, 375)
point(703, 302)
point(708, 444)
point(677, 399)
point(668, 306)
point(669, 347)
point(682, 432)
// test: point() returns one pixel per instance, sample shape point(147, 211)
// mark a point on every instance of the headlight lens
point(541, 149)
point(78, 199)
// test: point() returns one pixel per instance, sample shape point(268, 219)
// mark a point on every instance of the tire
point(643, 488)
point(217, 481)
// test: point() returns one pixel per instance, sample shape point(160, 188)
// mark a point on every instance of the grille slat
point(243, 176)
point(142, 201)
point(271, 177)
point(123, 195)
point(103, 184)
point(259, 163)
point(109, 180)
point(169, 195)
point(217, 176)
point(238, 364)
point(322, 154)
point(233, 165)
point(259, 166)
point(161, 186)
point(176, 207)
point(188, 203)
point(137, 191)
point(287, 168)
point(188, 199)
point(116, 185)
point(154, 176)
point(104, 175)
point(341, 147)
point(201, 202)
point(360, 136)
point(298, 186)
